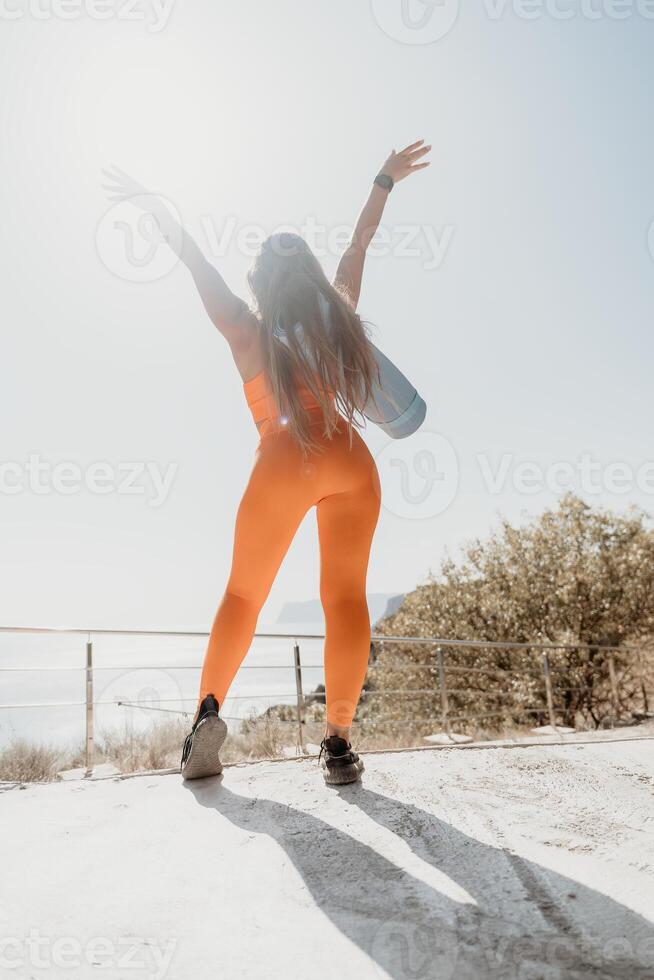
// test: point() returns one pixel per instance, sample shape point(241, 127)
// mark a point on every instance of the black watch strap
point(385, 181)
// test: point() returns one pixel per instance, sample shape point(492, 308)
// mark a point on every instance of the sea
point(137, 680)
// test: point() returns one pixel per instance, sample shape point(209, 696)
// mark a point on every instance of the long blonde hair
point(330, 355)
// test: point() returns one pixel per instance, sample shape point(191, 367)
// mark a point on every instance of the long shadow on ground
point(522, 919)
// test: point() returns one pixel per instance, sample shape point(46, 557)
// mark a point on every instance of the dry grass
point(259, 738)
point(267, 736)
point(156, 747)
point(25, 762)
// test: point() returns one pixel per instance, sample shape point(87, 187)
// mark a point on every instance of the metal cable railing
point(440, 667)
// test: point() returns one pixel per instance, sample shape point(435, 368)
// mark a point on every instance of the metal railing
point(439, 670)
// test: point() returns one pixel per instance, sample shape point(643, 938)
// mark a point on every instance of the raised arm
point(228, 313)
point(398, 166)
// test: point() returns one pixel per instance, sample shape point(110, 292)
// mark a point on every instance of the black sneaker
point(339, 763)
point(201, 752)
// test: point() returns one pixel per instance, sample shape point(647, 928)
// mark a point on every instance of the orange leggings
point(343, 484)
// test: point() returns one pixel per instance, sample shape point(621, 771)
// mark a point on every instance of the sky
point(512, 281)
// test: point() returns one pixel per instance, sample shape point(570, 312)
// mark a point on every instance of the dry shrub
point(156, 747)
point(26, 762)
point(261, 737)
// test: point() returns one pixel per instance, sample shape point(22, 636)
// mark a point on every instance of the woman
point(307, 369)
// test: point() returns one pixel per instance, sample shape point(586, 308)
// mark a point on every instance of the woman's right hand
point(400, 165)
point(123, 187)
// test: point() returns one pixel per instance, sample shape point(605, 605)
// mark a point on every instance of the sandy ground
point(533, 862)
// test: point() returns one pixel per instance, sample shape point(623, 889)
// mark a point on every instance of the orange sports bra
point(263, 406)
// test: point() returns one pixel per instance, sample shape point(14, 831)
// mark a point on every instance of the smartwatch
point(385, 181)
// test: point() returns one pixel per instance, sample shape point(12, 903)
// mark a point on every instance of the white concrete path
point(533, 862)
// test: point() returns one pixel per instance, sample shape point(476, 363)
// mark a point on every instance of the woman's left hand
point(400, 165)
